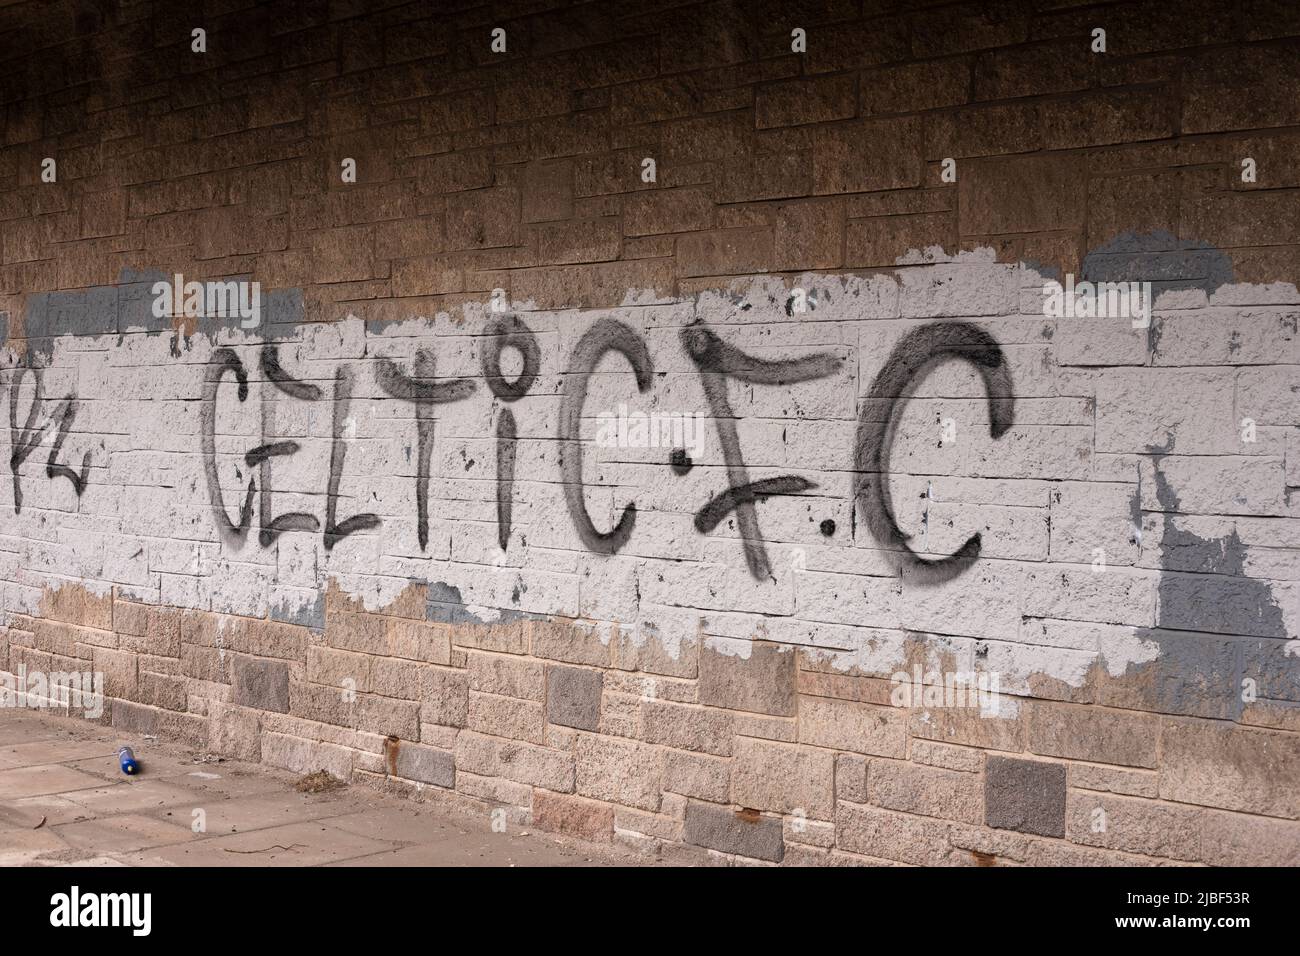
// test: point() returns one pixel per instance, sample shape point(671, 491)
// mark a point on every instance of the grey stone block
point(731, 831)
point(260, 683)
point(1025, 795)
point(426, 764)
point(573, 697)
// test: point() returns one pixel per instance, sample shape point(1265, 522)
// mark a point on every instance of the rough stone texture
point(575, 816)
point(844, 725)
point(573, 697)
point(1165, 830)
point(1025, 795)
point(784, 778)
point(739, 832)
point(1091, 733)
point(885, 835)
point(929, 791)
point(260, 684)
point(425, 764)
point(1219, 765)
point(727, 679)
point(640, 675)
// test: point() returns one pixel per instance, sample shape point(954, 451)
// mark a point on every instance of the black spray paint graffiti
point(505, 333)
point(716, 362)
point(607, 335)
point(335, 530)
point(260, 457)
point(25, 440)
point(223, 360)
point(919, 352)
point(421, 390)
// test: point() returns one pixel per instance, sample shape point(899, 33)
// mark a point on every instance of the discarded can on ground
point(126, 759)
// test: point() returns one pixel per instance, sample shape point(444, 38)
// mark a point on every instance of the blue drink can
point(126, 760)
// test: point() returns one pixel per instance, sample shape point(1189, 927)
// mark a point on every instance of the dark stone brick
point(743, 833)
point(801, 100)
point(1029, 194)
point(573, 697)
point(922, 86)
point(425, 764)
point(1025, 795)
point(260, 683)
point(867, 155)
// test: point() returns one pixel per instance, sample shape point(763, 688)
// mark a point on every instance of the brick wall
point(396, 530)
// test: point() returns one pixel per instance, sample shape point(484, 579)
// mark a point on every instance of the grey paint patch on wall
point(310, 614)
point(1167, 262)
point(128, 305)
point(445, 605)
point(1205, 627)
point(573, 697)
point(1245, 606)
point(261, 683)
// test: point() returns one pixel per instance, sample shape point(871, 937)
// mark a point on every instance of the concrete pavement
point(64, 801)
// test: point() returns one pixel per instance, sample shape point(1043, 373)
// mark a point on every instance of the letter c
point(920, 351)
point(607, 335)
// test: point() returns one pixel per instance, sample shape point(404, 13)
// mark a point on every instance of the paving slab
point(129, 831)
point(37, 753)
point(19, 847)
point(296, 844)
point(24, 726)
point(65, 802)
point(51, 778)
point(47, 808)
point(225, 815)
point(133, 796)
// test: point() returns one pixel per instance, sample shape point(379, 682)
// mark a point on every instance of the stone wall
point(759, 509)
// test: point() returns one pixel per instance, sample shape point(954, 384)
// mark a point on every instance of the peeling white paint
point(844, 600)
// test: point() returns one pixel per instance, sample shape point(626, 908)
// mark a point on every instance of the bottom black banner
point(205, 907)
